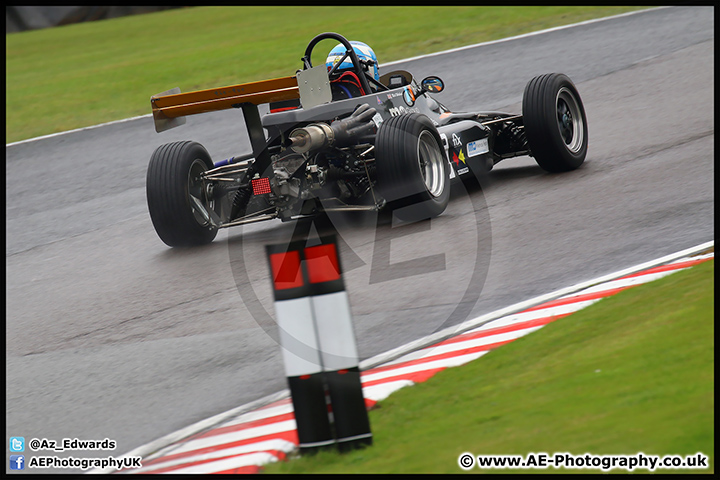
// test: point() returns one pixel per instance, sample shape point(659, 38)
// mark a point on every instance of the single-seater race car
point(340, 137)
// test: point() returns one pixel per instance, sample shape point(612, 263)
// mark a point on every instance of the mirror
point(432, 84)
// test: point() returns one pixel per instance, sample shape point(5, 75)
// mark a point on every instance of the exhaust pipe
point(312, 137)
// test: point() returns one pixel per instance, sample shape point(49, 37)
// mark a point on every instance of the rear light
point(261, 186)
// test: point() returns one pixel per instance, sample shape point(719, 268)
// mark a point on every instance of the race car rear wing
point(170, 107)
point(311, 86)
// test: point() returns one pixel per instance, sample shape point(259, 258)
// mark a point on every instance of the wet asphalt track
point(110, 334)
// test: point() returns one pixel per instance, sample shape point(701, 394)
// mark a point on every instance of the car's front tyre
point(555, 122)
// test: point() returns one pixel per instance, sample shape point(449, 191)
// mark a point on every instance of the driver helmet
point(365, 54)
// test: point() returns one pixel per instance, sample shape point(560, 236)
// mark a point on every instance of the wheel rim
point(200, 204)
point(569, 120)
point(431, 164)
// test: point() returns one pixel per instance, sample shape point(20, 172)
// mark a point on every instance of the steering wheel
point(349, 51)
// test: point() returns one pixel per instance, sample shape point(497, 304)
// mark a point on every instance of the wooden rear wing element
point(170, 107)
point(311, 86)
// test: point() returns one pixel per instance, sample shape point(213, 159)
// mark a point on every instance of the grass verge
point(73, 76)
point(631, 373)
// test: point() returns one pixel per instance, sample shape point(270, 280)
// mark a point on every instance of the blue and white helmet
point(365, 54)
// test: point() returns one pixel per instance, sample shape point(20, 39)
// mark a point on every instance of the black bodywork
point(281, 180)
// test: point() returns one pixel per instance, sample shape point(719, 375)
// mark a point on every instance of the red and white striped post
point(318, 345)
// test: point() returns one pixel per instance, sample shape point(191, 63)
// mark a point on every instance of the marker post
point(318, 345)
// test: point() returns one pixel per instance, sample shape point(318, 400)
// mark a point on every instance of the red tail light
point(261, 186)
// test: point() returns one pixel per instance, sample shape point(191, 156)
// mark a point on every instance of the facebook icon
point(17, 462)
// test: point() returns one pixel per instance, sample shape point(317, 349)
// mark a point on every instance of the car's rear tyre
point(555, 122)
point(413, 174)
point(176, 196)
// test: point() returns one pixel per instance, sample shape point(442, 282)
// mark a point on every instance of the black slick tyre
point(555, 122)
point(413, 174)
point(178, 200)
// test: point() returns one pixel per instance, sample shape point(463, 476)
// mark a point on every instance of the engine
point(333, 162)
